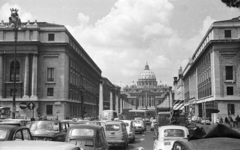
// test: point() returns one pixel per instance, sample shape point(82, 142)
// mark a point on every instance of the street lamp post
point(14, 23)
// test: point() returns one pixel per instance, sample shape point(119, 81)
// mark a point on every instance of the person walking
point(226, 121)
point(231, 121)
point(237, 119)
point(221, 120)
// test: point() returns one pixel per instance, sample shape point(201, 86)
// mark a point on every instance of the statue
point(14, 20)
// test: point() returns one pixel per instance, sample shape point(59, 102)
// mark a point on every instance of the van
point(130, 130)
point(116, 133)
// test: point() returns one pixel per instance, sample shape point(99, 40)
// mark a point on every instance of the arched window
point(12, 71)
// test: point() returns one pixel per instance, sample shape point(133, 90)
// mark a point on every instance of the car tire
point(141, 132)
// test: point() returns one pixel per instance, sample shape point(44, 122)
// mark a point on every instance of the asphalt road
point(142, 142)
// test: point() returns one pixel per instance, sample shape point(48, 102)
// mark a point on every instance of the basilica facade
point(146, 93)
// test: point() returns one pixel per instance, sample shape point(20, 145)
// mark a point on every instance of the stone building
point(147, 93)
point(52, 70)
point(110, 98)
point(211, 78)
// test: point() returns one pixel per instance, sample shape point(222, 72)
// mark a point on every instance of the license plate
point(112, 136)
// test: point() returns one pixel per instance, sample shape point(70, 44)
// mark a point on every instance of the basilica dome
point(147, 74)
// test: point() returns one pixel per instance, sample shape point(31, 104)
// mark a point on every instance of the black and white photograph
point(119, 74)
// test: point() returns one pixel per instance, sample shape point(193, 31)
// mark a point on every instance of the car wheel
point(141, 132)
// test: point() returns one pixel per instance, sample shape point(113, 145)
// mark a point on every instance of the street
point(142, 142)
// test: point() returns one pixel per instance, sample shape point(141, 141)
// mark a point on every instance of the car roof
point(88, 126)
point(214, 143)
point(114, 122)
point(36, 145)
point(10, 123)
point(172, 127)
point(57, 121)
point(127, 121)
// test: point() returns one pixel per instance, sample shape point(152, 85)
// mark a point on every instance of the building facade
point(147, 93)
point(110, 97)
point(53, 71)
point(211, 78)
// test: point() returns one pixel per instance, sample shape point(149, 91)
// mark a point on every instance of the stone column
point(1, 76)
point(121, 105)
point(100, 100)
point(111, 100)
point(116, 106)
point(170, 98)
point(26, 78)
point(34, 77)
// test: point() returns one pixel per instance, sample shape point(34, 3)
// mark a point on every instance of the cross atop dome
point(146, 67)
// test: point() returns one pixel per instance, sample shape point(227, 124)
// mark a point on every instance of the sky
point(121, 36)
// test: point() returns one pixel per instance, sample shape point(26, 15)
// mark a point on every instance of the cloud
point(5, 13)
point(122, 41)
point(136, 32)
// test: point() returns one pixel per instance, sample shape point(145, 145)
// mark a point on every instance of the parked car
point(86, 136)
point(37, 145)
point(139, 126)
point(130, 130)
point(147, 121)
point(12, 132)
point(212, 137)
point(22, 122)
point(49, 130)
point(167, 135)
point(116, 133)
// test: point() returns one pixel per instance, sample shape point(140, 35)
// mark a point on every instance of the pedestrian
point(226, 121)
point(231, 121)
point(237, 119)
point(57, 118)
point(221, 120)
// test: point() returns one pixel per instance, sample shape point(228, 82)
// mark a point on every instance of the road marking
point(142, 139)
point(143, 135)
point(140, 148)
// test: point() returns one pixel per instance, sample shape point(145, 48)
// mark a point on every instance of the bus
point(109, 115)
point(144, 114)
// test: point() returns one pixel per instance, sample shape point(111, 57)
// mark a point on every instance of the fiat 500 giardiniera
point(49, 130)
point(87, 137)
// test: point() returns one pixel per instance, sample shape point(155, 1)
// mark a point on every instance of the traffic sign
point(31, 106)
point(23, 105)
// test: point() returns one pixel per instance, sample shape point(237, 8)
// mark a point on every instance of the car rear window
point(173, 133)
point(81, 132)
point(3, 134)
point(44, 125)
point(112, 127)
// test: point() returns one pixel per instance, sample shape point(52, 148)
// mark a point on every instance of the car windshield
point(81, 132)
point(44, 125)
point(173, 133)
point(3, 134)
point(137, 122)
point(112, 127)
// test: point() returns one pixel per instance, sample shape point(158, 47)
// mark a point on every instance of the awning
point(178, 105)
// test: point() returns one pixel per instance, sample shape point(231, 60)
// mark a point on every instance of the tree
point(232, 3)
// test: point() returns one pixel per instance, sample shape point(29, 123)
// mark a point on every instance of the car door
point(124, 131)
point(104, 139)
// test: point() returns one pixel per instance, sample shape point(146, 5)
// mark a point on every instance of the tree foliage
point(232, 3)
